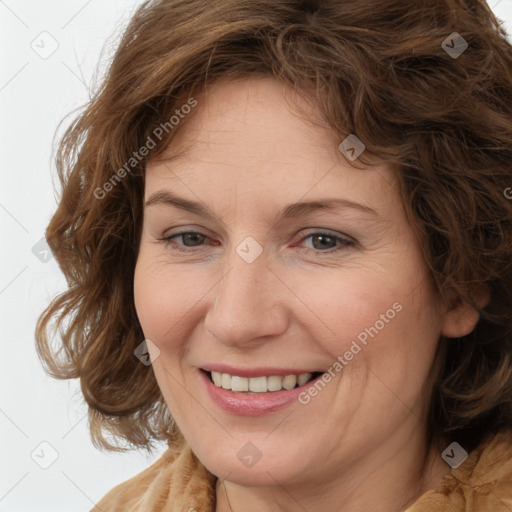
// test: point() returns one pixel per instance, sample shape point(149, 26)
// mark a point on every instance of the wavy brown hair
point(378, 69)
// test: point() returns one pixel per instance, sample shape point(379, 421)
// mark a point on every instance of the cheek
point(380, 318)
point(162, 298)
point(344, 306)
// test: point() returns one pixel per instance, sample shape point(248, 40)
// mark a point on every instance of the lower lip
point(257, 404)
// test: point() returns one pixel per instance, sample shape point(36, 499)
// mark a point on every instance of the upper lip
point(255, 371)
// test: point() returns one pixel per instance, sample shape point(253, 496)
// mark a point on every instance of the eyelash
point(345, 242)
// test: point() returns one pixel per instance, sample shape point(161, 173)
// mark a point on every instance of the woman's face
point(274, 283)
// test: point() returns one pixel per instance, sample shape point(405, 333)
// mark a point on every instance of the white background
point(35, 94)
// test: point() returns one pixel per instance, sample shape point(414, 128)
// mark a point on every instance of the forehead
point(248, 136)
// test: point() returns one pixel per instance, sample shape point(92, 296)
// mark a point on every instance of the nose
point(247, 307)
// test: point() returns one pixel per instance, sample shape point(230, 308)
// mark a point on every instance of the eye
point(189, 239)
point(322, 241)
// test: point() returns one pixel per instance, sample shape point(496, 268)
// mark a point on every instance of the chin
point(248, 466)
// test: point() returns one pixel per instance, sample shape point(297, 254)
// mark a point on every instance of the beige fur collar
point(178, 482)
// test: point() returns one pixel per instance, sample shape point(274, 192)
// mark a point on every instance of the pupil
point(190, 237)
point(323, 238)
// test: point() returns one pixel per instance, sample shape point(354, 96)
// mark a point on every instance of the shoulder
point(482, 483)
point(176, 481)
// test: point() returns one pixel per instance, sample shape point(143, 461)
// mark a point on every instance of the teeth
point(274, 383)
point(225, 381)
point(217, 379)
point(303, 378)
point(239, 383)
point(289, 381)
point(259, 384)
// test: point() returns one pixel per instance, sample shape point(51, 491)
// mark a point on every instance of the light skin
point(360, 444)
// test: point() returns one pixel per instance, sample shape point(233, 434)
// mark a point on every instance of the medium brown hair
point(380, 69)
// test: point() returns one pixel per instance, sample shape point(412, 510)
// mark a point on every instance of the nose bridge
point(244, 306)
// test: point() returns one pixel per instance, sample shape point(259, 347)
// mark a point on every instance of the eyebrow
point(166, 197)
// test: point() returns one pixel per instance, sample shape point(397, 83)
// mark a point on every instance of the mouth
point(261, 384)
point(256, 391)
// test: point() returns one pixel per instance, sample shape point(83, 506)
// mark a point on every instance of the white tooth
point(217, 379)
point(289, 382)
point(226, 381)
point(274, 383)
point(303, 378)
point(239, 383)
point(258, 384)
